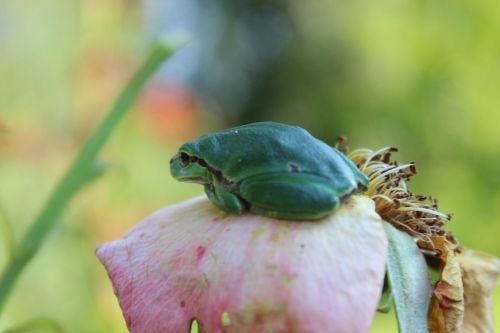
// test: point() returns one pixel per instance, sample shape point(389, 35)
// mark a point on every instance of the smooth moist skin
point(270, 169)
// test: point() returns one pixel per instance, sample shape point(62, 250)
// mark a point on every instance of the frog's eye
point(184, 160)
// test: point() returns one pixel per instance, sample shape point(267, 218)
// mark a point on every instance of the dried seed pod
point(415, 214)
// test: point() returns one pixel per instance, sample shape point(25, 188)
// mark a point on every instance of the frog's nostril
point(171, 161)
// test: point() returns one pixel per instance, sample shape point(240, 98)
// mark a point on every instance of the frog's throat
point(196, 180)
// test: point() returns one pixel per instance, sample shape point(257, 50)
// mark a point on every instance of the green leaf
point(7, 234)
point(408, 280)
point(386, 300)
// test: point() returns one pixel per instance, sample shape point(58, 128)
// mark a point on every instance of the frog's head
point(188, 168)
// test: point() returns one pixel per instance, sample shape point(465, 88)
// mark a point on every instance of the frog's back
point(268, 147)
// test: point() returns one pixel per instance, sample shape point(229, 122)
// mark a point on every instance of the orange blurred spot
point(101, 75)
point(171, 110)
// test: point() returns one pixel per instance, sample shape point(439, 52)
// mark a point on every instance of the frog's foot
point(295, 196)
point(223, 199)
point(361, 178)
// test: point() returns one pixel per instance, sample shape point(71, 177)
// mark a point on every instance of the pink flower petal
point(249, 274)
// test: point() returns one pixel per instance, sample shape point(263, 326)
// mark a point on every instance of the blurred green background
point(422, 75)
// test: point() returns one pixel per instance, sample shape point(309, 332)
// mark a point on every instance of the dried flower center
point(415, 214)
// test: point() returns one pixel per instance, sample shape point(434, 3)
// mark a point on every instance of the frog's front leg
point(223, 199)
point(296, 196)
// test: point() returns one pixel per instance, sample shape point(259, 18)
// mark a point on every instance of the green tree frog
point(269, 169)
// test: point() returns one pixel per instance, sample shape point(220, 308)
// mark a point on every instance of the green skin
point(269, 169)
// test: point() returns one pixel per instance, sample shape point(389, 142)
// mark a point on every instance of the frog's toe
point(226, 201)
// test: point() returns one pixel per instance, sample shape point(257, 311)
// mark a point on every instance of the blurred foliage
point(38, 325)
point(417, 74)
point(84, 169)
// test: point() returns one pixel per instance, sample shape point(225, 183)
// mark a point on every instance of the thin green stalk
point(7, 234)
point(78, 173)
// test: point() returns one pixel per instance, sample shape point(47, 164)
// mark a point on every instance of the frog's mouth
point(197, 180)
point(187, 171)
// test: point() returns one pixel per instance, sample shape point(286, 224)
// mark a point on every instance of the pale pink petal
point(192, 261)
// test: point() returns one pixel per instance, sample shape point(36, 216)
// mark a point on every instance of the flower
point(252, 274)
point(462, 296)
point(417, 215)
point(248, 273)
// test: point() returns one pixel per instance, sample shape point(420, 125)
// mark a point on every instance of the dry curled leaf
point(480, 274)
point(446, 311)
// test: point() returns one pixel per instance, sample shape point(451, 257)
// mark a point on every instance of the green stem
point(7, 234)
point(78, 173)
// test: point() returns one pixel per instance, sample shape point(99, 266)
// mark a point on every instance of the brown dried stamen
point(415, 214)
